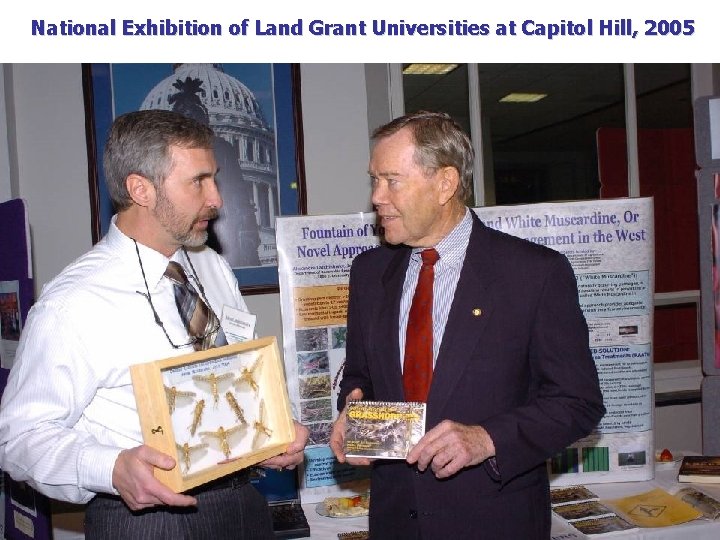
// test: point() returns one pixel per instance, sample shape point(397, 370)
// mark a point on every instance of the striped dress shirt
point(452, 250)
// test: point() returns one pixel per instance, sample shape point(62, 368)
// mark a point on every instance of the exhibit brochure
point(654, 508)
point(702, 502)
point(700, 469)
point(582, 510)
point(383, 429)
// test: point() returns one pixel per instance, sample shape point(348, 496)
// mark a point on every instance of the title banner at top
point(281, 31)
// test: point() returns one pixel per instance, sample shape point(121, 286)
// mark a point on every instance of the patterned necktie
point(197, 317)
point(418, 363)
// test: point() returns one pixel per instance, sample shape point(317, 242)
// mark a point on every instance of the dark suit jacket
point(520, 367)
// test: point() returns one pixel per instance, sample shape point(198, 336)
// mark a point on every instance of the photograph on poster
point(10, 322)
point(316, 410)
point(320, 354)
point(631, 458)
point(9, 316)
point(313, 363)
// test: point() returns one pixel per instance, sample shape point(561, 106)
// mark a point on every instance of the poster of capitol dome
point(252, 110)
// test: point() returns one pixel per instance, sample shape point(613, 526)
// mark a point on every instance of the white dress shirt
point(69, 408)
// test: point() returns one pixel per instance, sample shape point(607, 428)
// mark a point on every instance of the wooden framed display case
point(216, 411)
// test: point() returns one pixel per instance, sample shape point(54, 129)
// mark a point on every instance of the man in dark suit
point(512, 378)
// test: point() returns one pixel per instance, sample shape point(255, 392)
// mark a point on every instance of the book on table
point(700, 469)
point(383, 429)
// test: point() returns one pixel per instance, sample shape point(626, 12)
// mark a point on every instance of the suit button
point(413, 514)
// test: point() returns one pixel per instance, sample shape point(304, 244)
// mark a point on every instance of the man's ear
point(449, 183)
point(141, 190)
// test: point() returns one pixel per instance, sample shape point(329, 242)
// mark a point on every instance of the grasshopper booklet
point(383, 429)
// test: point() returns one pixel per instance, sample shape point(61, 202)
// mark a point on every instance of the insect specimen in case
point(261, 430)
point(187, 452)
point(197, 416)
point(222, 436)
point(249, 377)
point(192, 433)
point(173, 395)
point(235, 406)
point(214, 382)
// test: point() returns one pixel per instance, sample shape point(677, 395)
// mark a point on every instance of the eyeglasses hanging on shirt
point(199, 319)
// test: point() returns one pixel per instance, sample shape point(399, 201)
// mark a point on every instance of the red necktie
point(418, 363)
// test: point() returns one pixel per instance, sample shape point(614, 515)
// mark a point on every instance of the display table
point(324, 528)
point(69, 526)
point(665, 478)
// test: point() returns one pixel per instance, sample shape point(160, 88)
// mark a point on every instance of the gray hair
point(139, 143)
point(439, 142)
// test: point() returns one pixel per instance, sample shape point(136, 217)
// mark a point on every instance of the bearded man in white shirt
point(68, 422)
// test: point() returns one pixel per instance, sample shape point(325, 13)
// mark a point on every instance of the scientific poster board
point(610, 244)
point(16, 284)
point(26, 511)
point(314, 258)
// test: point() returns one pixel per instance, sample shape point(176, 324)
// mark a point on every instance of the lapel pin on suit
point(477, 312)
